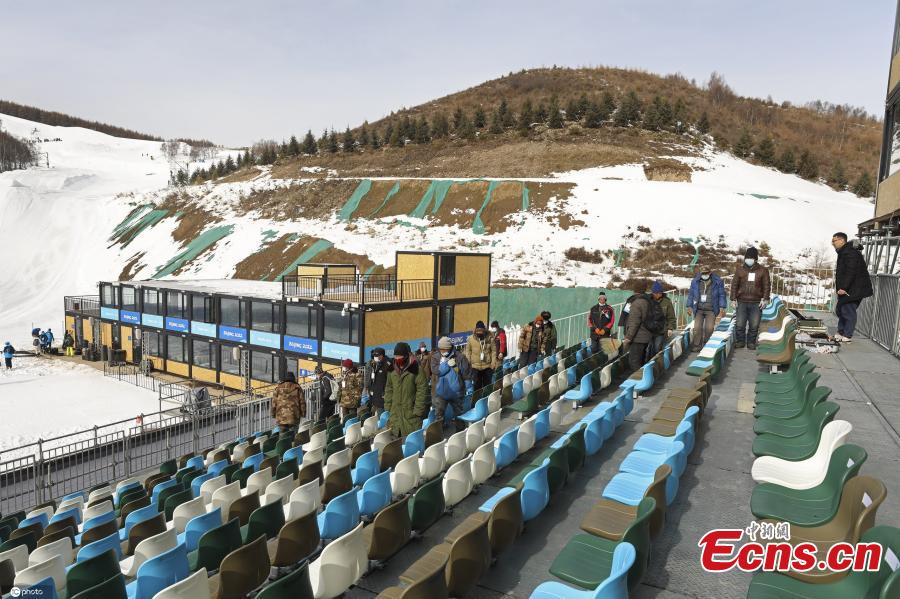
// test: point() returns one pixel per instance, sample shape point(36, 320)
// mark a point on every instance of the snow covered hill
point(101, 210)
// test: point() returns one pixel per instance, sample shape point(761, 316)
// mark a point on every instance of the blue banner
point(181, 325)
point(459, 338)
point(264, 339)
point(203, 328)
point(109, 313)
point(301, 345)
point(232, 334)
point(339, 351)
point(132, 317)
point(152, 320)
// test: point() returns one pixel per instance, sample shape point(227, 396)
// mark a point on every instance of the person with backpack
point(498, 335)
point(351, 387)
point(376, 377)
point(645, 319)
point(288, 404)
point(750, 290)
point(405, 393)
point(706, 303)
point(601, 320)
point(68, 344)
point(853, 284)
point(480, 354)
point(8, 352)
point(326, 393)
point(449, 372)
point(44, 342)
point(668, 310)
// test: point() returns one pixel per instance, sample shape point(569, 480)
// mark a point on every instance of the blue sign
point(459, 338)
point(339, 351)
point(182, 326)
point(301, 345)
point(152, 320)
point(203, 328)
point(265, 339)
point(127, 316)
point(232, 334)
point(109, 313)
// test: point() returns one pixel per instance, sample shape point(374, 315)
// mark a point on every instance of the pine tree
point(572, 110)
point(364, 135)
point(583, 104)
point(496, 123)
point(375, 142)
point(786, 163)
point(293, 148)
point(407, 128)
point(703, 123)
point(629, 111)
point(555, 118)
point(679, 116)
point(309, 146)
point(744, 145)
point(765, 151)
point(540, 114)
point(230, 167)
point(466, 129)
point(863, 186)
point(283, 148)
point(837, 178)
point(423, 131)
point(593, 117)
point(526, 117)
point(507, 118)
point(607, 105)
point(651, 116)
point(349, 142)
point(664, 112)
point(807, 167)
point(323, 140)
point(388, 133)
point(332, 142)
point(458, 116)
point(479, 119)
point(397, 139)
point(441, 125)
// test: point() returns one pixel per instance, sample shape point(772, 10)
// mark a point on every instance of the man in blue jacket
point(706, 302)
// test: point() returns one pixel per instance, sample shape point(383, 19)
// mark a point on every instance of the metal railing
point(89, 305)
point(358, 289)
point(132, 374)
point(810, 289)
point(879, 315)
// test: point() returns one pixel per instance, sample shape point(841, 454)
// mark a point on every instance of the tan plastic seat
point(434, 433)
point(296, 541)
point(66, 533)
point(470, 554)
point(242, 570)
point(389, 532)
point(143, 530)
point(337, 482)
point(425, 579)
point(99, 532)
point(505, 523)
point(609, 519)
point(310, 472)
point(358, 449)
point(209, 487)
point(391, 454)
point(62, 548)
point(242, 508)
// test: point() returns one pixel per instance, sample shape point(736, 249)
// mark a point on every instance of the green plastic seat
point(427, 504)
point(168, 467)
point(792, 409)
point(557, 472)
point(269, 445)
point(796, 396)
point(586, 560)
point(282, 444)
point(295, 585)
point(287, 468)
point(189, 478)
point(527, 405)
point(810, 507)
point(575, 450)
point(241, 475)
point(882, 584)
point(799, 358)
point(265, 520)
point(333, 447)
point(179, 476)
point(92, 572)
point(175, 500)
point(165, 494)
point(812, 418)
point(111, 588)
point(787, 381)
point(799, 447)
point(214, 545)
point(229, 470)
point(28, 539)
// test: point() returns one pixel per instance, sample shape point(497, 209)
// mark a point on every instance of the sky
point(236, 72)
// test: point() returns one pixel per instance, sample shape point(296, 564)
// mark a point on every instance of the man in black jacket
point(376, 378)
point(601, 320)
point(852, 282)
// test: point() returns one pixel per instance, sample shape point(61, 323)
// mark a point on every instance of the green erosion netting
point(356, 197)
point(194, 249)
point(319, 246)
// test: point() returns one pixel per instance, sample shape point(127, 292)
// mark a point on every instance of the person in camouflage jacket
point(351, 387)
point(288, 404)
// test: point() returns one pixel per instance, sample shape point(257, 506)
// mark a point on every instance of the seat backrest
point(161, 571)
point(62, 548)
point(376, 493)
point(470, 554)
point(391, 454)
point(224, 496)
point(218, 542)
point(195, 586)
point(17, 555)
point(535, 491)
point(475, 435)
point(89, 523)
point(98, 509)
point(210, 486)
point(484, 463)
point(97, 547)
point(53, 568)
point(304, 499)
point(242, 507)
point(186, 511)
point(526, 435)
point(456, 447)
point(492, 424)
point(616, 584)
point(153, 546)
point(340, 515)
point(174, 500)
point(338, 459)
point(199, 525)
point(845, 463)
point(345, 559)
point(258, 481)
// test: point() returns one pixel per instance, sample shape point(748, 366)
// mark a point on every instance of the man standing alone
point(750, 290)
point(851, 279)
point(706, 302)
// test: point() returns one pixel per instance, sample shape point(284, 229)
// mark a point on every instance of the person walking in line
point(480, 353)
point(601, 320)
point(376, 378)
point(637, 335)
point(8, 352)
point(549, 341)
point(288, 404)
point(706, 303)
point(750, 291)
point(853, 284)
point(405, 393)
point(449, 372)
point(498, 335)
point(326, 394)
point(351, 386)
point(668, 310)
point(530, 341)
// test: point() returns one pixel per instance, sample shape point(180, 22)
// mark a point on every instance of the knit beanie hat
point(751, 252)
point(445, 343)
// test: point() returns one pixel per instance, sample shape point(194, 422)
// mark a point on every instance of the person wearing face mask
point(325, 393)
point(405, 393)
point(530, 341)
point(601, 320)
point(480, 353)
point(853, 284)
point(706, 302)
point(423, 357)
point(376, 377)
point(549, 341)
point(351, 386)
point(498, 335)
point(450, 370)
point(750, 291)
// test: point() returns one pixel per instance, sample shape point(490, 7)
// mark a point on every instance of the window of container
point(233, 312)
point(265, 316)
point(176, 348)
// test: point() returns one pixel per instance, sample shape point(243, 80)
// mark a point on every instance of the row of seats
point(611, 558)
point(807, 475)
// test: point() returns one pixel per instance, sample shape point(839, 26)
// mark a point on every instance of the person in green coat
point(405, 393)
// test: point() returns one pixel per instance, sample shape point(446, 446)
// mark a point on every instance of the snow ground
point(46, 398)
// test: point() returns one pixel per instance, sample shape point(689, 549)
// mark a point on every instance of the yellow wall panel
point(87, 330)
point(415, 266)
point(204, 374)
point(888, 195)
point(106, 333)
point(466, 315)
point(390, 325)
point(126, 335)
point(158, 363)
point(70, 325)
point(895, 73)
point(179, 368)
point(310, 270)
point(473, 279)
point(232, 381)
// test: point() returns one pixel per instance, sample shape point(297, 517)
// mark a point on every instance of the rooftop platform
point(237, 287)
point(715, 488)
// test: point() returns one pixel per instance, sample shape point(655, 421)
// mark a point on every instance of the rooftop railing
point(88, 305)
point(359, 289)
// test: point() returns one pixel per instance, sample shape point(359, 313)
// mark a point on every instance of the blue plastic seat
point(139, 515)
point(73, 511)
point(625, 401)
point(74, 495)
point(383, 419)
point(97, 547)
point(160, 572)
point(341, 515)
point(647, 378)
point(414, 443)
point(43, 518)
point(125, 489)
point(535, 492)
point(488, 506)
point(599, 429)
point(571, 377)
point(583, 392)
point(216, 467)
point(254, 461)
point(476, 413)
point(645, 463)
point(614, 587)
point(162, 487)
point(579, 356)
point(667, 357)
point(198, 526)
point(367, 466)
point(518, 390)
point(375, 495)
point(103, 518)
point(507, 449)
point(349, 422)
point(293, 453)
point(542, 424)
point(198, 482)
point(197, 463)
point(684, 433)
point(45, 589)
point(613, 410)
point(629, 488)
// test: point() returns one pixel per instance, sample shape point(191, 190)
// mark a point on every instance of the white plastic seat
point(537, 379)
point(382, 439)
point(62, 548)
point(186, 511)
point(507, 380)
point(96, 510)
point(353, 434)
point(195, 586)
point(337, 460)
point(556, 412)
point(432, 461)
point(677, 348)
point(474, 435)
point(562, 381)
point(484, 463)
point(456, 447)
point(127, 481)
point(238, 452)
point(341, 564)
point(261, 440)
point(370, 427)
point(458, 482)
point(405, 476)
point(779, 334)
point(492, 425)
point(47, 510)
point(225, 496)
point(606, 376)
point(553, 387)
point(494, 401)
point(17, 555)
point(98, 493)
point(148, 549)
point(526, 435)
point(316, 441)
point(280, 489)
point(311, 457)
point(807, 473)
point(68, 504)
point(526, 385)
point(303, 500)
point(211, 486)
point(54, 568)
point(258, 481)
